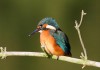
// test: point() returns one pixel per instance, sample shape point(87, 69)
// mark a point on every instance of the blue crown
point(49, 21)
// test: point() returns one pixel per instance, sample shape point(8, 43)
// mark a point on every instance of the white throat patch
point(40, 31)
point(51, 27)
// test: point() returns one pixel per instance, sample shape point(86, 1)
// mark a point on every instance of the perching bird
point(53, 40)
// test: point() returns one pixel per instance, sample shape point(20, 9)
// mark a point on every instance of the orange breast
point(50, 44)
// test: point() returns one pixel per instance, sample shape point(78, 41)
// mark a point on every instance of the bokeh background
point(18, 18)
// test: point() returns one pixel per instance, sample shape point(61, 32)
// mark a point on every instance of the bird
point(52, 39)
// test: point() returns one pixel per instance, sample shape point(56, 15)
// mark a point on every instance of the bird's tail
point(68, 54)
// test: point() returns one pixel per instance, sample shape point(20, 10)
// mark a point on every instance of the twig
point(77, 26)
point(40, 54)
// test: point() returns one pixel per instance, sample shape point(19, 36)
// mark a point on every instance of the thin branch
point(4, 53)
point(77, 26)
point(82, 14)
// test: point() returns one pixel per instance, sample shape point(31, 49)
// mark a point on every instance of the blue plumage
point(49, 21)
point(62, 41)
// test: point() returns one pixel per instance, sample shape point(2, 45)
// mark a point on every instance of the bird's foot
point(57, 57)
point(48, 55)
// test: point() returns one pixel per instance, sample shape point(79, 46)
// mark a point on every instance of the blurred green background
point(18, 18)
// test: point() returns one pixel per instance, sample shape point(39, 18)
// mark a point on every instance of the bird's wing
point(61, 40)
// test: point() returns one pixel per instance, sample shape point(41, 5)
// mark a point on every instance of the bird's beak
point(36, 30)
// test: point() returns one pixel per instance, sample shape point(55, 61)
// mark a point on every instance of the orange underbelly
point(50, 44)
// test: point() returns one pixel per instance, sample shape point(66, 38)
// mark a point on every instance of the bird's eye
point(40, 25)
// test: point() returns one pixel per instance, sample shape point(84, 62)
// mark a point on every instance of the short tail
point(68, 54)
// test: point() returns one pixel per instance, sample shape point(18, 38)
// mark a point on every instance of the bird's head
point(46, 24)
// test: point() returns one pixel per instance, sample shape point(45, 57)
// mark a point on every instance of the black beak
point(36, 30)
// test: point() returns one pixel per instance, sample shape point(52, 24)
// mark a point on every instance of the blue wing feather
point(61, 40)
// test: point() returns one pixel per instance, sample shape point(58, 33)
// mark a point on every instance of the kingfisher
point(53, 40)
